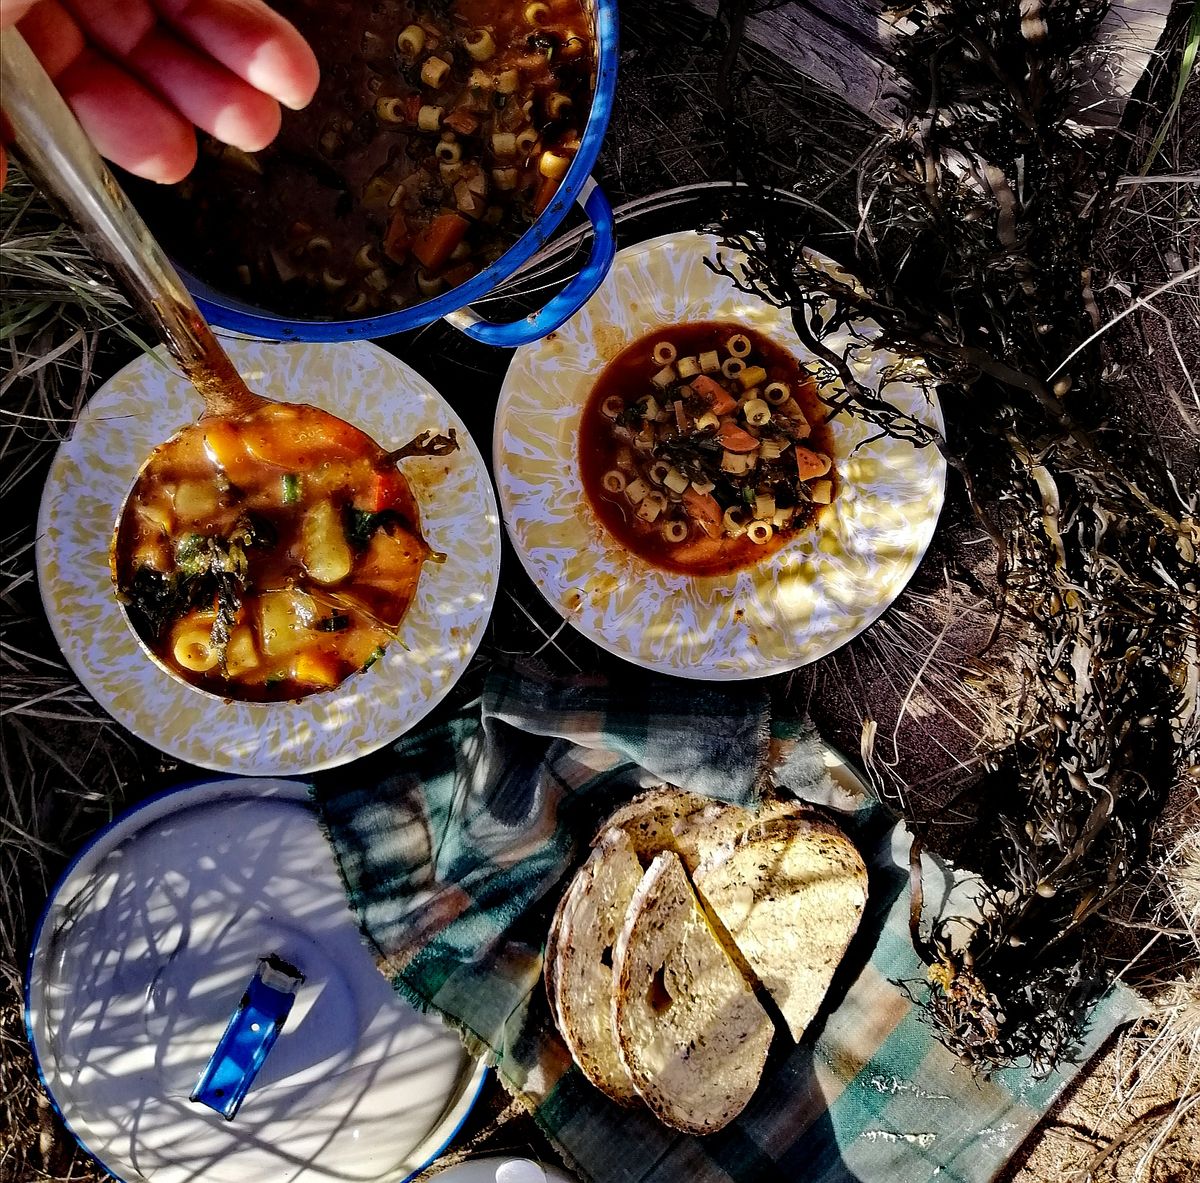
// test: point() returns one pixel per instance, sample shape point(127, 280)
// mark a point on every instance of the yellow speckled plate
point(808, 598)
point(145, 404)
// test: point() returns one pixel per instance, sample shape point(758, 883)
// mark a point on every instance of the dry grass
point(64, 768)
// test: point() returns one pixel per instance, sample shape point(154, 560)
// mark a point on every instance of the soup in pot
point(440, 130)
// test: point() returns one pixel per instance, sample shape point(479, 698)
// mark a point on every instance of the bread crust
point(694, 827)
point(580, 983)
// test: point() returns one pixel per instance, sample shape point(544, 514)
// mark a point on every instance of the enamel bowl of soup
point(279, 591)
point(677, 484)
point(444, 146)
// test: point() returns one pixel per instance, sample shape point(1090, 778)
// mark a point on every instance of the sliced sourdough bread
point(693, 827)
point(692, 1035)
point(789, 893)
point(579, 977)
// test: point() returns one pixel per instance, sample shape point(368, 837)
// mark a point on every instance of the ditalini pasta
point(704, 447)
point(439, 133)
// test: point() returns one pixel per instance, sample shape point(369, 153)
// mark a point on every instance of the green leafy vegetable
point(360, 524)
point(291, 488)
point(208, 570)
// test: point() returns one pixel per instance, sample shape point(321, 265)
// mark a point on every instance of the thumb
point(11, 11)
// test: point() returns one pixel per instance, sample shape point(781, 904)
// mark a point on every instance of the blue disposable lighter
point(249, 1036)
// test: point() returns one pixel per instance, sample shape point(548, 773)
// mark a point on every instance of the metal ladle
point(60, 159)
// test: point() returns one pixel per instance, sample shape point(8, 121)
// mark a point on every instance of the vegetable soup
point(440, 130)
point(703, 448)
point(271, 555)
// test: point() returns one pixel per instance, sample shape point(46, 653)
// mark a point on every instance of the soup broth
point(704, 448)
point(271, 555)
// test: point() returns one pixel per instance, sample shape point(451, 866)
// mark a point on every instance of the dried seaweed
point(974, 257)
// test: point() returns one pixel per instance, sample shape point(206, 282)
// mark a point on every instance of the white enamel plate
point(808, 598)
point(141, 958)
point(145, 404)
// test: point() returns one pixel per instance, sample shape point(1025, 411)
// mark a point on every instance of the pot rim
point(228, 312)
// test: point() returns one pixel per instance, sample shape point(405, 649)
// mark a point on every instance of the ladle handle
point(62, 162)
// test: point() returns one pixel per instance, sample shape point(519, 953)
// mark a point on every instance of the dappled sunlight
point(811, 596)
point(146, 953)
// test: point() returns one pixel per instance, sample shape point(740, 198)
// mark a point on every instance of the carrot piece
point(437, 241)
point(810, 464)
point(398, 241)
point(460, 274)
point(546, 190)
point(410, 107)
point(462, 121)
point(720, 401)
point(734, 439)
point(704, 510)
point(386, 488)
point(316, 669)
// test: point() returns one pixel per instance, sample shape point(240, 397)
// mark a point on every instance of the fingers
point(129, 124)
point(12, 11)
point(253, 41)
point(206, 93)
point(53, 35)
point(212, 97)
point(116, 26)
point(230, 61)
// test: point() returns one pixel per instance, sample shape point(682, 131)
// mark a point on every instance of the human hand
point(139, 73)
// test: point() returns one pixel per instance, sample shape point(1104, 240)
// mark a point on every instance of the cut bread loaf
point(579, 975)
point(693, 827)
point(789, 893)
point(691, 1033)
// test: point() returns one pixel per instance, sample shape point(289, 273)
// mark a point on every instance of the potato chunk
point(324, 549)
point(284, 619)
point(240, 654)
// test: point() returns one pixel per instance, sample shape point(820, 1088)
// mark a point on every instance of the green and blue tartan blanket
point(456, 843)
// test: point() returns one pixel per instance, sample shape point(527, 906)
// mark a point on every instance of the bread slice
point(790, 893)
point(550, 954)
point(692, 1035)
point(693, 827)
point(581, 981)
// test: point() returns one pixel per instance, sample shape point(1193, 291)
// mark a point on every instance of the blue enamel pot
point(229, 312)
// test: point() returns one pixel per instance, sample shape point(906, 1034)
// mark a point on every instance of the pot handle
point(563, 306)
point(249, 1036)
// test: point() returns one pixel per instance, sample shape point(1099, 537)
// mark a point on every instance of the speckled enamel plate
point(145, 404)
point(811, 596)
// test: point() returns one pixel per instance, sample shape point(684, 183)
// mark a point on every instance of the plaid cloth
point(455, 846)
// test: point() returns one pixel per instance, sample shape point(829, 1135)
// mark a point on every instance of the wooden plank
point(1129, 38)
point(824, 50)
point(841, 44)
